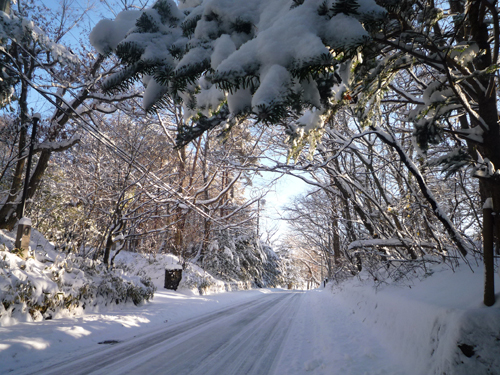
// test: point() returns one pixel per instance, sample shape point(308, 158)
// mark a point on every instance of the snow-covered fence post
point(488, 225)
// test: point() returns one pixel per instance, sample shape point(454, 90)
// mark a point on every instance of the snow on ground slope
point(51, 283)
point(194, 281)
point(437, 326)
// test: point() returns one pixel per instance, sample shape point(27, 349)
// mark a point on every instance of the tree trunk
point(9, 213)
point(59, 121)
point(489, 148)
point(489, 262)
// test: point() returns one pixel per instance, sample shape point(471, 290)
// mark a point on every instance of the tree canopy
point(301, 61)
point(269, 59)
point(298, 63)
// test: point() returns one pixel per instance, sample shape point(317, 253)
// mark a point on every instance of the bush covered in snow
point(243, 259)
point(49, 281)
point(199, 281)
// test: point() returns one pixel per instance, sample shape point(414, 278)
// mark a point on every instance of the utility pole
point(322, 276)
point(36, 118)
point(258, 214)
point(258, 218)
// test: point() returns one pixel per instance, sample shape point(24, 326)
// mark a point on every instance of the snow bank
point(437, 326)
point(195, 281)
point(50, 284)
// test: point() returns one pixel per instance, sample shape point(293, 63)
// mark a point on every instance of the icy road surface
point(268, 332)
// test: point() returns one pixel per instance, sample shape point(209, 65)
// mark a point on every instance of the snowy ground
point(351, 330)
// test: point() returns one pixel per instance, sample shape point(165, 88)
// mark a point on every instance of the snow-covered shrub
point(199, 281)
point(243, 259)
point(49, 281)
point(115, 286)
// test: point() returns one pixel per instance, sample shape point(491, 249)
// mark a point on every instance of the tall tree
point(43, 71)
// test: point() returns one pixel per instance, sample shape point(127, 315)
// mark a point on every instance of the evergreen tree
point(204, 60)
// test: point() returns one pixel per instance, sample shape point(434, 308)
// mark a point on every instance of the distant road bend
point(243, 339)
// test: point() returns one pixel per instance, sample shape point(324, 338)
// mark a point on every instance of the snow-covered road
point(243, 339)
point(275, 332)
point(351, 329)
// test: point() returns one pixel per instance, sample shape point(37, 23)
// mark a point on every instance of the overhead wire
point(101, 137)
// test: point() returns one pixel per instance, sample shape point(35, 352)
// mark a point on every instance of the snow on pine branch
point(262, 57)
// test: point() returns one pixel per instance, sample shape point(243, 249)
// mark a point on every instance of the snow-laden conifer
point(268, 59)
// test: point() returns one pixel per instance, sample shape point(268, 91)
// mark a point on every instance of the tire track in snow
point(243, 339)
point(254, 349)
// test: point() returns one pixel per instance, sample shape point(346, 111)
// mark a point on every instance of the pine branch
point(347, 7)
point(242, 26)
point(129, 52)
point(189, 133)
point(296, 3)
point(165, 12)
point(146, 24)
point(189, 25)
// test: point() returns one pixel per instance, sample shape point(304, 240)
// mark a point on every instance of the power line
point(101, 137)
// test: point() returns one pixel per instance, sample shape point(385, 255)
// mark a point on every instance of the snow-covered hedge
point(50, 282)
